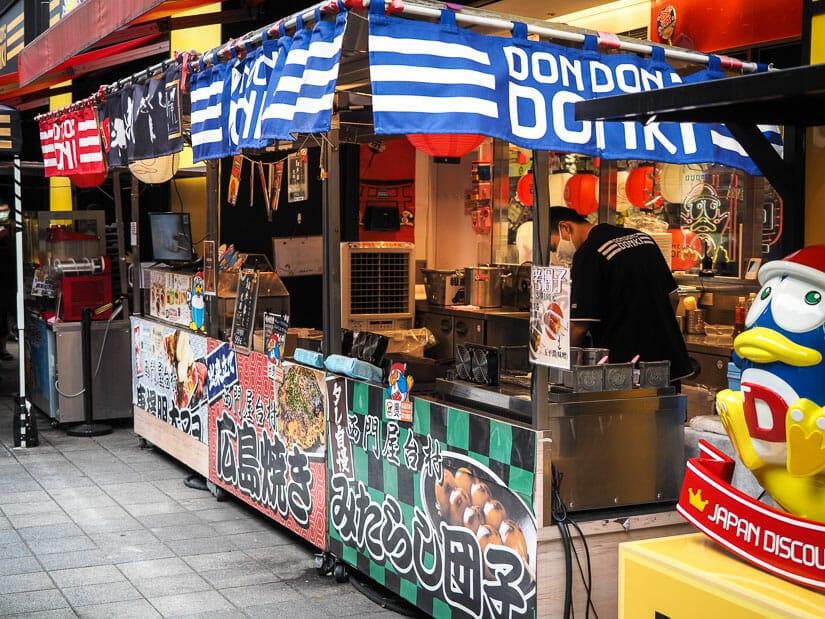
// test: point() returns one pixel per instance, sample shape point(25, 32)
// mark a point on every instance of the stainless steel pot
point(442, 286)
point(483, 285)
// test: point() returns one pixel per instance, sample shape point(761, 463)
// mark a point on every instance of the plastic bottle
point(739, 317)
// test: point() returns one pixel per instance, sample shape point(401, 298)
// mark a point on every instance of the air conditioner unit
point(377, 285)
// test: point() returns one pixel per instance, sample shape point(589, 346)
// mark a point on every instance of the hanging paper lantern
point(640, 185)
point(524, 189)
point(157, 170)
point(445, 145)
point(622, 201)
point(85, 181)
point(676, 181)
point(581, 193)
point(557, 183)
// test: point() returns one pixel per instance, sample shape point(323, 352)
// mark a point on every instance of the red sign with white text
point(790, 547)
point(71, 144)
point(267, 443)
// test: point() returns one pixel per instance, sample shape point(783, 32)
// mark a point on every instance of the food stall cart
point(395, 476)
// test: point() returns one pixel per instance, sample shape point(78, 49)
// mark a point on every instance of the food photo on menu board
point(550, 316)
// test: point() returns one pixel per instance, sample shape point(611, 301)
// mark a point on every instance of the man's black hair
point(562, 213)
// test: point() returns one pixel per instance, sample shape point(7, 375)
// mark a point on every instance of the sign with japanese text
point(169, 375)
point(243, 320)
point(550, 316)
point(439, 510)
point(268, 441)
point(788, 546)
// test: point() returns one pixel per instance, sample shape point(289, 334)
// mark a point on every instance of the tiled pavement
point(98, 527)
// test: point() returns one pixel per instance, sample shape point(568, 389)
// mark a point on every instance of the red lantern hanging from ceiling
point(581, 193)
point(524, 189)
point(640, 187)
point(86, 181)
point(445, 146)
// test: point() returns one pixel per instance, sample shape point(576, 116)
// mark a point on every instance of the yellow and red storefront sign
point(788, 546)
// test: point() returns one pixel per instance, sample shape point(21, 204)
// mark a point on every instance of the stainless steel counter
point(612, 448)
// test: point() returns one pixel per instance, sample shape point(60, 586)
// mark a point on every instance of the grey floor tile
point(102, 593)
point(154, 568)
point(132, 609)
point(260, 539)
point(142, 552)
point(311, 585)
point(63, 529)
point(185, 532)
point(14, 509)
point(226, 578)
point(183, 517)
point(298, 609)
point(149, 509)
point(267, 593)
point(15, 549)
point(347, 604)
point(39, 519)
point(212, 614)
point(61, 613)
point(32, 601)
point(133, 537)
point(76, 481)
point(191, 603)
point(27, 496)
point(232, 560)
point(70, 560)
point(86, 575)
point(109, 525)
point(32, 581)
point(192, 547)
point(164, 585)
point(242, 525)
point(4, 522)
point(225, 512)
point(9, 536)
point(18, 565)
point(61, 544)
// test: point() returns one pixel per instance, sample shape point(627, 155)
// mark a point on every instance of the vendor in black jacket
point(623, 292)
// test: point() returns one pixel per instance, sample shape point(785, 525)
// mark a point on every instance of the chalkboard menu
point(243, 321)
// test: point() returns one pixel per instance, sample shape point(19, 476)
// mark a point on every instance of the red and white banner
point(71, 144)
point(790, 547)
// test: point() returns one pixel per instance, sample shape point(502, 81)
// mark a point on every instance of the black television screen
point(171, 237)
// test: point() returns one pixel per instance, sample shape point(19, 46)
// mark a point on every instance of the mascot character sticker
point(777, 421)
point(398, 406)
point(196, 304)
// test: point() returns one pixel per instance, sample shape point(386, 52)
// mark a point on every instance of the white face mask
point(565, 250)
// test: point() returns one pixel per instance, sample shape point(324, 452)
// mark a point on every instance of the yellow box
point(689, 576)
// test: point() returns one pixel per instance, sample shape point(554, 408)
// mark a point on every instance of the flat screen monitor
point(171, 237)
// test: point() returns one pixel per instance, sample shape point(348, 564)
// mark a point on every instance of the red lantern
point(639, 187)
point(524, 189)
point(446, 145)
point(85, 181)
point(581, 193)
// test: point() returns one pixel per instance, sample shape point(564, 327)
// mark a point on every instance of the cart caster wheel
point(340, 572)
point(143, 443)
point(221, 495)
point(324, 563)
point(55, 424)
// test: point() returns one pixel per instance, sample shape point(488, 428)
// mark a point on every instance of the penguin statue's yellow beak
point(763, 345)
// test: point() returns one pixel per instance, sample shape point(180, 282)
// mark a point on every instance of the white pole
point(21, 318)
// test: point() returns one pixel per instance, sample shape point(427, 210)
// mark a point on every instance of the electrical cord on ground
point(563, 520)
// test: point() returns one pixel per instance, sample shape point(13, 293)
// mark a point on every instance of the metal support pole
point(88, 427)
point(121, 246)
point(213, 234)
point(137, 307)
point(332, 242)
